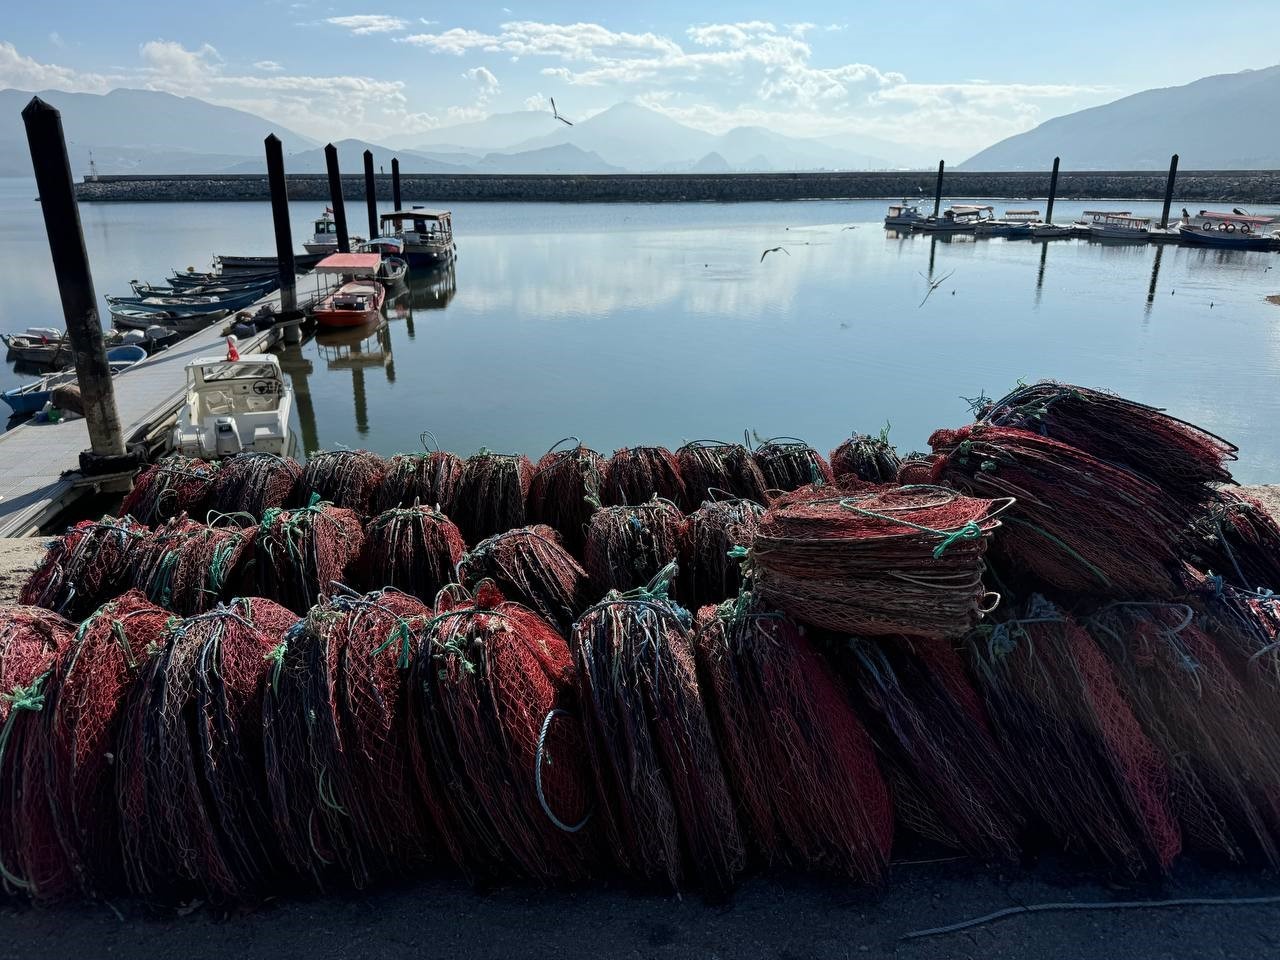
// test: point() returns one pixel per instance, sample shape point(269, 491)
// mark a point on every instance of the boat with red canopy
point(359, 296)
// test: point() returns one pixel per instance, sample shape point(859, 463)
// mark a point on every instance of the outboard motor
point(226, 437)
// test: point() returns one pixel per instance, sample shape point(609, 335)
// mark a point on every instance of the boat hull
point(1225, 241)
point(1118, 236)
point(341, 319)
point(426, 259)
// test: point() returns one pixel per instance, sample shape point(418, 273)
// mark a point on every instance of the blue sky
point(952, 75)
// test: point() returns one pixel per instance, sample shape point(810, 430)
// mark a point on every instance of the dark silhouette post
point(280, 220)
point(937, 195)
point(370, 194)
point(1053, 191)
point(395, 182)
point(1168, 192)
point(335, 197)
point(75, 282)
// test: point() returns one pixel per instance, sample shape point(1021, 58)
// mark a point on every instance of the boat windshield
point(248, 370)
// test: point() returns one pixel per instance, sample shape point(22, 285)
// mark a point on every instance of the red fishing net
point(708, 574)
point(345, 478)
point(711, 468)
point(85, 567)
point(638, 474)
point(302, 553)
point(886, 562)
point(868, 458)
point(492, 495)
point(627, 546)
point(787, 463)
point(414, 549)
point(433, 478)
point(174, 485)
point(567, 487)
point(801, 763)
point(530, 566)
point(252, 483)
point(1237, 538)
point(190, 567)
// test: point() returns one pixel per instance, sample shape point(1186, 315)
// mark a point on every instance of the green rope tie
point(969, 531)
point(275, 657)
point(19, 698)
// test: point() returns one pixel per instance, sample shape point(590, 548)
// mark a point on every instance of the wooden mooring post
point(1168, 192)
point(370, 194)
point(1053, 191)
point(395, 183)
point(937, 194)
point(285, 264)
point(335, 197)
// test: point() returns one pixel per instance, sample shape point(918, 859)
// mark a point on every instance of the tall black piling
point(75, 286)
point(335, 197)
point(1168, 192)
point(937, 194)
point(280, 220)
point(395, 183)
point(1053, 191)
point(370, 194)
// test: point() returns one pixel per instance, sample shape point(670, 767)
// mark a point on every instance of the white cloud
point(366, 23)
point(24, 73)
point(56, 39)
point(171, 66)
point(483, 76)
point(537, 102)
point(269, 66)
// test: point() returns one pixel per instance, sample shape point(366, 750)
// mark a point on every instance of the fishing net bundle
point(33, 641)
point(904, 560)
point(1079, 525)
point(1223, 759)
point(175, 485)
point(414, 549)
point(711, 467)
point(190, 567)
point(532, 567)
point(627, 546)
point(1097, 782)
point(85, 567)
point(1245, 625)
point(667, 810)
point(498, 729)
point(567, 487)
point(346, 478)
point(492, 495)
point(708, 573)
point(433, 478)
point(787, 463)
point(1237, 538)
point(301, 553)
point(949, 777)
point(1176, 456)
point(253, 483)
point(868, 458)
point(638, 474)
point(802, 765)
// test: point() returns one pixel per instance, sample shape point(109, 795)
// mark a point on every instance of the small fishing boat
point(359, 296)
point(185, 306)
point(1233, 231)
point(1014, 225)
point(427, 235)
point(903, 214)
point(230, 264)
point(1052, 231)
point(234, 404)
point(325, 238)
point(394, 268)
point(1120, 228)
point(190, 278)
point(961, 218)
point(31, 397)
point(211, 289)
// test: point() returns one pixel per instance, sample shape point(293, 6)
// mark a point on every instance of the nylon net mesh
point(567, 487)
point(711, 468)
point(413, 549)
point(253, 483)
point(345, 478)
point(787, 464)
point(1237, 538)
point(530, 566)
point(868, 458)
point(190, 567)
point(638, 474)
point(708, 574)
point(174, 485)
point(302, 553)
point(492, 495)
point(628, 546)
point(84, 567)
point(433, 478)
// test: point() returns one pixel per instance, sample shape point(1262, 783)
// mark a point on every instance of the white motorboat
point(961, 218)
point(904, 214)
point(234, 404)
point(325, 238)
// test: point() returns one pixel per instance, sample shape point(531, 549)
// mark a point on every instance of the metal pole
point(937, 196)
point(1168, 192)
point(370, 194)
point(75, 282)
point(395, 182)
point(1053, 191)
point(280, 220)
point(335, 197)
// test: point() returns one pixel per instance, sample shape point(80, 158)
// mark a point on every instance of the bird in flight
point(850, 227)
point(774, 250)
point(556, 113)
point(933, 284)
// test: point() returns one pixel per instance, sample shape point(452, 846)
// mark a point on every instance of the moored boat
point(230, 264)
point(188, 305)
point(427, 235)
point(31, 397)
point(234, 404)
point(904, 214)
point(1120, 227)
point(325, 238)
point(959, 218)
point(394, 268)
point(1239, 231)
point(358, 298)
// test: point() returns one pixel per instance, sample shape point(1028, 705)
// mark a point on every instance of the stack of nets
point(253, 483)
point(712, 468)
point(190, 567)
point(1237, 538)
point(637, 474)
point(33, 642)
point(433, 478)
point(1224, 759)
point(499, 733)
point(1079, 524)
point(530, 566)
point(1097, 782)
point(566, 488)
point(85, 567)
point(174, 485)
point(302, 553)
point(891, 561)
point(802, 766)
point(788, 463)
point(414, 549)
point(1246, 627)
point(1177, 456)
point(708, 571)
point(627, 546)
point(492, 496)
point(872, 459)
point(192, 791)
point(345, 478)
point(666, 805)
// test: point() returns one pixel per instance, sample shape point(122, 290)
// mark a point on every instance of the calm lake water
point(629, 324)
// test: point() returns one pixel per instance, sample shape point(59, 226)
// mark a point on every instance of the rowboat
point(140, 319)
point(427, 235)
point(31, 397)
point(190, 278)
point(50, 348)
point(1052, 231)
point(359, 296)
point(234, 404)
point(961, 218)
point(394, 268)
point(185, 306)
point(212, 289)
point(229, 263)
point(1233, 231)
point(1120, 227)
point(1014, 225)
point(903, 214)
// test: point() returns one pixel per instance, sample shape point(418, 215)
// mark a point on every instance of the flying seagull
point(774, 250)
point(933, 284)
point(556, 113)
point(852, 227)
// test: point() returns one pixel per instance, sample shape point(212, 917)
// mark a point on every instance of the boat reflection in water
point(358, 349)
point(425, 290)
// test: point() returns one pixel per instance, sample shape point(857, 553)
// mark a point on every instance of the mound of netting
point(802, 766)
point(1175, 455)
point(500, 733)
point(190, 567)
point(1081, 761)
point(627, 546)
point(1079, 524)
point(302, 553)
point(949, 777)
point(1224, 760)
point(175, 485)
point(413, 549)
point(253, 483)
point(492, 496)
point(708, 573)
point(713, 469)
point(33, 642)
point(886, 562)
point(1245, 625)
point(666, 808)
point(787, 463)
point(1236, 538)
point(191, 785)
point(567, 487)
point(433, 478)
point(638, 474)
point(530, 566)
point(346, 478)
point(85, 567)
point(868, 458)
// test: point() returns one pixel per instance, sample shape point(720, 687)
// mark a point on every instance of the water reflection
point(1155, 277)
point(1044, 257)
point(358, 349)
point(295, 363)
